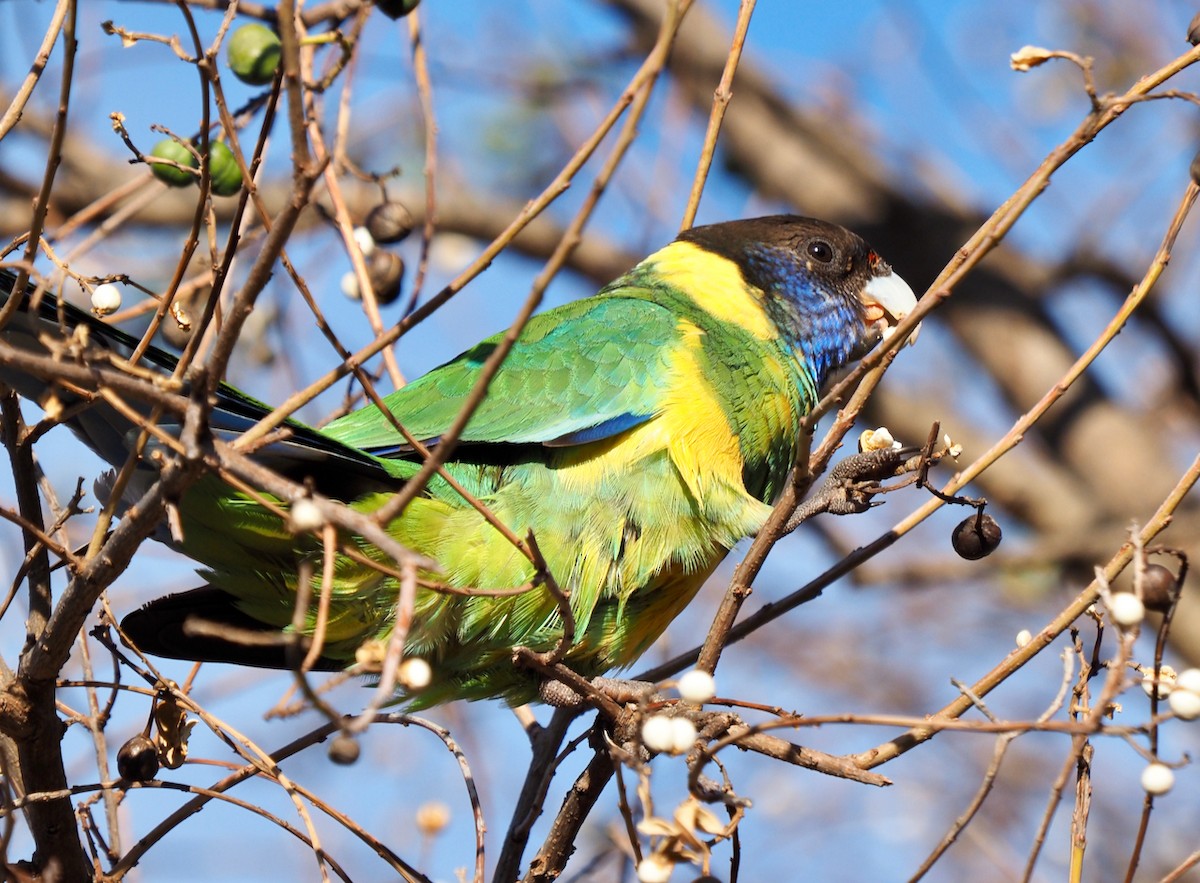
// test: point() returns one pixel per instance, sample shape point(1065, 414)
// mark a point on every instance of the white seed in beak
point(891, 296)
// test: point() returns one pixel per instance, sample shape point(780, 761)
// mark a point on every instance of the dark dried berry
point(137, 761)
point(1194, 168)
point(343, 749)
point(386, 272)
point(1158, 588)
point(976, 536)
point(394, 9)
point(390, 222)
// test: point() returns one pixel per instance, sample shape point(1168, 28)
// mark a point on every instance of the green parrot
point(638, 434)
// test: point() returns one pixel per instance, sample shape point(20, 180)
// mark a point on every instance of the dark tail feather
point(205, 625)
point(162, 626)
point(100, 426)
point(305, 453)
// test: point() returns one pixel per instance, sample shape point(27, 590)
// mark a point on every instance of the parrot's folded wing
point(579, 373)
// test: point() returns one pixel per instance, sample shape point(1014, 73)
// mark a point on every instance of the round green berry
point(253, 54)
point(168, 148)
point(223, 169)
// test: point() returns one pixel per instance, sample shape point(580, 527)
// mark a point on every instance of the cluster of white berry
point(667, 734)
point(1182, 692)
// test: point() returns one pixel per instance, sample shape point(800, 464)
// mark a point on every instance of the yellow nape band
point(716, 285)
point(694, 428)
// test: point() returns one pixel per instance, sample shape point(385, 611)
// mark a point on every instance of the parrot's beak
point(888, 299)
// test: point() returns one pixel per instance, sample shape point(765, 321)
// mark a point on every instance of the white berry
point(1185, 704)
point(106, 298)
point(696, 686)
point(1157, 778)
point(364, 240)
point(1024, 636)
point(657, 733)
point(1126, 609)
point(1166, 682)
point(668, 735)
point(414, 674)
point(683, 735)
point(350, 286)
point(1188, 679)
point(655, 869)
point(305, 515)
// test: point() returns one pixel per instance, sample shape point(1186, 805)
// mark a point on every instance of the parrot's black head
point(826, 290)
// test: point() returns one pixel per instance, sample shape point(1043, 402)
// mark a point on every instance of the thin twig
point(721, 97)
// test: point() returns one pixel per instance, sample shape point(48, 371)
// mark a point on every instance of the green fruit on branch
point(169, 148)
point(223, 169)
point(253, 54)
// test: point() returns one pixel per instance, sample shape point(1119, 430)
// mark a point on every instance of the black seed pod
point(390, 222)
point(394, 9)
point(1158, 588)
point(137, 761)
point(386, 271)
point(343, 749)
point(976, 536)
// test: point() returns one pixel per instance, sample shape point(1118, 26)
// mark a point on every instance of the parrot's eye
point(819, 250)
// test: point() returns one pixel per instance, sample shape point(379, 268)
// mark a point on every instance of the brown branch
point(27, 711)
point(543, 764)
point(16, 107)
point(721, 98)
point(1060, 623)
point(548, 863)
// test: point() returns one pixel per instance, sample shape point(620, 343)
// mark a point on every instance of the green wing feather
point(594, 367)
